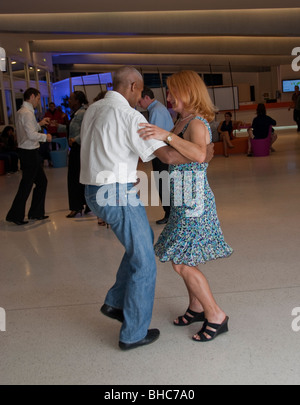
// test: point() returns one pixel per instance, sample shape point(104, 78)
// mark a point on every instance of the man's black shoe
point(39, 218)
point(152, 336)
point(113, 313)
point(163, 221)
point(16, 221)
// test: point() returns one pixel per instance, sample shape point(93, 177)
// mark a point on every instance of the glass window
point(42, 75)
point(3, 60)
point(152, 80)
point(2, 120)
point(9, 107)
point(31, 73)
point(18, 70)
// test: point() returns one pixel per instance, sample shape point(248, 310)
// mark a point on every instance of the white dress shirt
point(110, 143)
point(28, 129)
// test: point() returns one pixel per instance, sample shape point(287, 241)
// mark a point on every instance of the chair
point(59, 157)
point(261, 147)
point(240, 146)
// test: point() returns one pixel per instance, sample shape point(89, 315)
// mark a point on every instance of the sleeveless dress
point(193, 234)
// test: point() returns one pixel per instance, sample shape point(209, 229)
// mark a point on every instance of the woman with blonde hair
point(193, 235)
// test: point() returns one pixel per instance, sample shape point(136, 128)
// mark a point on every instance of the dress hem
point(193, 264)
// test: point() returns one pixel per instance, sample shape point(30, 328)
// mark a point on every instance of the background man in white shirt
point(110, 150)
point(29, 139)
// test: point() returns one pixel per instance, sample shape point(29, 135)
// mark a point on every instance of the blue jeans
point(134, 289)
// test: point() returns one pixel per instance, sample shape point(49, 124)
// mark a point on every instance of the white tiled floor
point(54, 277)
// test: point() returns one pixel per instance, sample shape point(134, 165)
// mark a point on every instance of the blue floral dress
point(193, 234)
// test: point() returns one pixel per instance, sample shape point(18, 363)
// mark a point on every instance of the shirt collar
point(152, 105)
point(83, 107)
point(114, 95)
point(29, 106)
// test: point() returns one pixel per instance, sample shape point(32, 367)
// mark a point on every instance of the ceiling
point(169, 35)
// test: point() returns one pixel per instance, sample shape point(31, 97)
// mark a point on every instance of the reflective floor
point(54, 277)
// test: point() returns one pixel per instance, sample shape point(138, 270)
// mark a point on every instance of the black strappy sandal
point(196, 317)
point(218, 330)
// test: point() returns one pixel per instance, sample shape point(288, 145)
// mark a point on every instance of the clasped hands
point(45, 122)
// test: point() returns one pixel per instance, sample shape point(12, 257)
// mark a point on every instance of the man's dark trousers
point(159, 166)
point(33, 173)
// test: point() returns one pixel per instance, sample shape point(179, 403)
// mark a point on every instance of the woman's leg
point(225, 146)
point(273, 140)
point(194, 305)
point(228, 140)
point(251, 136)
point(225, 137)
point(199, 290)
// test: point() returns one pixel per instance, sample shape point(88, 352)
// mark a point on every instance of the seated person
point(6, 159)
point(260, 127)
point(8, 150)
point(57, 117)
point(225, 130)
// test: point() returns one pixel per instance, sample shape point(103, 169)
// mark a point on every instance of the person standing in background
point(297, 112)
point(78, 104)
point(101, 96)
point(296, 106)
point(56, 117)
point(159, 116)
point(29, 139)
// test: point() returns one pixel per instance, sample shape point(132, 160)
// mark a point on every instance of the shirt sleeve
point(31, 128)
point(144, 149)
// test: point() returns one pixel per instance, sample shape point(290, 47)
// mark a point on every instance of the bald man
point(110, 150)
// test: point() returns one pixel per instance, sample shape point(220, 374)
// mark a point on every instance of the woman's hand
point(71, 141)
point(210, 152)
point(149, 131)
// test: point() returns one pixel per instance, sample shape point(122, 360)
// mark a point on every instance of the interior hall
point(55, 272)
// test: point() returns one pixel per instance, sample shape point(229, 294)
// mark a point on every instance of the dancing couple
point(113, 131)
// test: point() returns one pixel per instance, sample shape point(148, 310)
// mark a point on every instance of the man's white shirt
point(110, 143)
point(27, 128)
